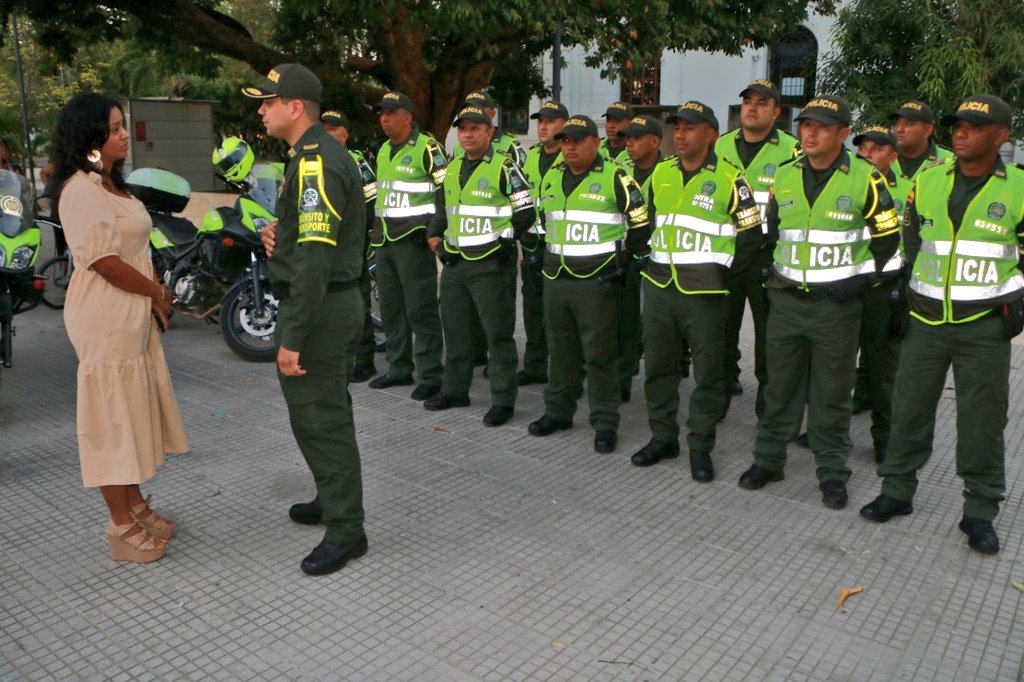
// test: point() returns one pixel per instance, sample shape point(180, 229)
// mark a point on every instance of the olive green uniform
point(535, 354)
point(964, 292)
point(488, 204)
point(617, 154)
point(314, 272)
point(368, 342)
point(583, 247)
point(406, 267)
point(835, 229)
point(701, 216)
point(908, 168)
point(759, 161)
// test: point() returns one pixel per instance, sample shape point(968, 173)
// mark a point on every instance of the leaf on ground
point(441, 429)
point(1019, 586)
point(847, 593)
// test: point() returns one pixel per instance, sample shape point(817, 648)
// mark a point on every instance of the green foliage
point(889, 51)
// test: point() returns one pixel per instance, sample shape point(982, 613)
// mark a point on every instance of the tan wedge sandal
point(155, 525)
point(140, 548)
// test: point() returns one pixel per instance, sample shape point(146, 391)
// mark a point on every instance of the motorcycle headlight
point(22, 257)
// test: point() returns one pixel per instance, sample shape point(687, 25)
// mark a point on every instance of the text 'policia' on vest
point(407, 179)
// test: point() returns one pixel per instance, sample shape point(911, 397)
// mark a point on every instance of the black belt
point(282, 290)
point(816, 294)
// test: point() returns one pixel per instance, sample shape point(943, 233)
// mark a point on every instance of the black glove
point(848, 289)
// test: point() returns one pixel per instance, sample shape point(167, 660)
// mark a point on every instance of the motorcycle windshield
point(264, 182)
point(14, 198)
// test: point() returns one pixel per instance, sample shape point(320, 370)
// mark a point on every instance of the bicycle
point(56, 271)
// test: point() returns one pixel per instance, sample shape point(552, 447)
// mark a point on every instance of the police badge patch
point(996, 210)
point(769, 169)
point(844, 203)
point(310, 199)
point(406, 160)
point(708, 188)
point(595, 188)
point(482, 183)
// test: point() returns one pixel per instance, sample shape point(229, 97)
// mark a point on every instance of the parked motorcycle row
point(216, 271)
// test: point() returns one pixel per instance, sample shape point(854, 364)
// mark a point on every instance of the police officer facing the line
point(643, 145)
point(759, 148)
point(544, 155)
point(503, 142)
point(315, 254)
point(702, 207)
point(964, 232)
point(616, 119)
point(410, 203)
point(878, 349)
point(594, 217)
point(336, 125)
point(912, 126)
point(488, 202)
point(835, 227)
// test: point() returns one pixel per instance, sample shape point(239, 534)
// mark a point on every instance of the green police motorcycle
point(20, 289)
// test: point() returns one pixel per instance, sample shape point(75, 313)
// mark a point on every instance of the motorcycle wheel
point(57, 272)
point(250, 338)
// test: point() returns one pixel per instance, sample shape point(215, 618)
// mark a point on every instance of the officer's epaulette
point(311, 147)
point(669, 159)
point(797, 160)
point(729, 162)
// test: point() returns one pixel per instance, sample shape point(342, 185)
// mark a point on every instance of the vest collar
point(773, 137)
point(998, 170)
point(411, 140)
point(710, 161)
point(596, 167)
point(486, 158)
point(842, 162)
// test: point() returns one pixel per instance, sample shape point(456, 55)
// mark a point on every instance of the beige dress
point(128, 416)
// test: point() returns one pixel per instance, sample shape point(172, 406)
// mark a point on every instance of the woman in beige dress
point(127, 413)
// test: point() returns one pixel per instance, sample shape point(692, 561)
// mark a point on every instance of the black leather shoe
point(442, 401)
point(605, 441)
point(833, 494)
point(736, 388)
point(328, 557)
point(701, 468)
point(361, 373)
point(981, 535)
point(498, 415)
point(387, 381)
point(804, 440)
point(545, 426)
point(883, 508)
point(756, 477)
point(306, 513)
point(524, 378)
point(424, 391)
point(881, 451)
point(654, 452)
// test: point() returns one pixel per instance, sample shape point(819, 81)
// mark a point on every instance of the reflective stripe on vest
point(690, 258)
point(479, 214)
point(697, 224)
point(587, 222)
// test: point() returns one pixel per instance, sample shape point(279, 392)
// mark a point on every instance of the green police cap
point(578, 128)
point(764, 88)
point(828, 109)
point(479, 98)
point(472, 113)
point(981, 109)
point(292, 81)
point(394, 100)
point(334, 118)
point(877, 134)
point(694, 112)
point(619, 110)
point(915, 110)
point(640, 126)
point(551, 110)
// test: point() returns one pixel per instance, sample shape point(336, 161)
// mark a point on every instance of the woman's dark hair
point(83, 125)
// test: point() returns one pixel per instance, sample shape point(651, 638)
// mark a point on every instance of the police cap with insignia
point(551, 110)
point(764, 88)
point(877, 134)
point(334, 118)
point(392, 101)
point(981, 109)
point(291, 81)
point(694, 112)
point(640, 126)
point(472, 113)
point(578, 128)
point(479, 98)
point(619, 110)
point(828, 109)
point(914, 110)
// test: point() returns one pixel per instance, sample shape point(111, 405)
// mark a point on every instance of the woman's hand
point(162, 307)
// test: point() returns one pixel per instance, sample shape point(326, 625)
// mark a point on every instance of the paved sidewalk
point(493, 554)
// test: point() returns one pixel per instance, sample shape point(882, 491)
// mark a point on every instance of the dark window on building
point(642, 87)
point(515, 121)
point(793, 66)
